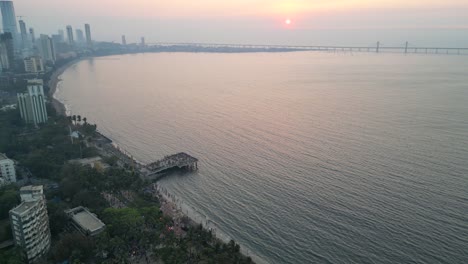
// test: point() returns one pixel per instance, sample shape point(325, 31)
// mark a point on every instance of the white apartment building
point(33, 64)
point(30, 223)
point(7, 170)
point(32, 104)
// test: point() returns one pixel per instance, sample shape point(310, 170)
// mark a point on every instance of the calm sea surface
point(304, 157)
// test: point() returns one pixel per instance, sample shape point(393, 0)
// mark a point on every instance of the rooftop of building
point(35, 82)
point(85, 219)
point(32, 188)
point(3, 156)
point(32, 193)
point(23, 207)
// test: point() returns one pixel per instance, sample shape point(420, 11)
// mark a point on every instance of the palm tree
point(74, 118)
point(85, 120)
point(78, 118)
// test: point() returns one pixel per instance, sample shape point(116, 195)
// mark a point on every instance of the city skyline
point(260, 21)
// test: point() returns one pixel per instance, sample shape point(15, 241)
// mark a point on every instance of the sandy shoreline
point(193, 214)
point(199, 218)
point(53, 82)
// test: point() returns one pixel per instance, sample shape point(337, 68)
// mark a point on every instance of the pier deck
point(178, 161)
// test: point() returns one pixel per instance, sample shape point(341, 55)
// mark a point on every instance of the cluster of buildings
point(30, 223)
point(35, 51)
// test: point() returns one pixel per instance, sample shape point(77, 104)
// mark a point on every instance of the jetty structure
point(179, 161)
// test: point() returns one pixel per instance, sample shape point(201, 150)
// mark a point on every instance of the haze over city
point(345, 22)
point(233, 132)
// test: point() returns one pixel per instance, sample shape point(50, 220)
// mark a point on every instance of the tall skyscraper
point(7, 50)
point(24, 35)
point(89, 40)
point(62, 35)
point(47, 48)
point(9, 21)
point(32, 104)
point(124, 40)
point(143, 43)
point(4, 61)
point(30, 223)
point(33, 35)
point(71, 40)
point(57, 40)
point(79, 36)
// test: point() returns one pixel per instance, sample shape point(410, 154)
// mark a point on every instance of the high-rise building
point(7, 170)
point(24, 35)
point(47, 49)
point(22, 25)
point(79, 36)
point(57, 40)
point(33, 64)
point(62, 35)
point(89, 40)
point(71, 40)
point(7, 51)
point(33, 35)
point(124, 40)
point(4, 62)
point(9, 22)
point(32, 104)
point(30, 223)
point(143, 43)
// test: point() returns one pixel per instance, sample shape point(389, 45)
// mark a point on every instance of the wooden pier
point(180, 161)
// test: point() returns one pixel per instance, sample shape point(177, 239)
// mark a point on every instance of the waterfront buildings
point(85, 222)
point(71, 40)
point(32, 103)
point(7, 170)
point(30, 223)
point(61, 33)
point(33, 64)
point(89, 40)
point(47, 49)
point(124, 40)
point(9, 21)
point(79, 36)
point(57, 41)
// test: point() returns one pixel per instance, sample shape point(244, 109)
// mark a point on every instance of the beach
point(53, 83)
point(177, 208)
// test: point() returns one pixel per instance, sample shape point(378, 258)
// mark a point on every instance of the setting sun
point(287, 21)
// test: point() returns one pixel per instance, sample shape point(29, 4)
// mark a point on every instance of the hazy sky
point(353, 22)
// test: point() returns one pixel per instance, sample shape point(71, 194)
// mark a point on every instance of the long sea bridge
point(376, 48)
